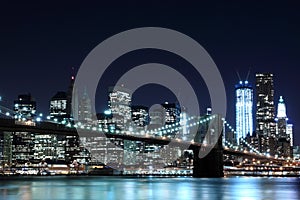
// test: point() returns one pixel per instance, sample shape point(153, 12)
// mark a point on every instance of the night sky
point(41, 42)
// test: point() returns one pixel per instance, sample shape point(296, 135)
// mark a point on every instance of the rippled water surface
point(125, 188)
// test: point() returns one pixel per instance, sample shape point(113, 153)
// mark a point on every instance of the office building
point(105, 120)
point(284, 148)
point(289, 132)
point(85, 109)
point(140, 117)
point(157, 117)
point(25, 108)
point(171, 117)
point(70, 97)
point(58, 107)
point(265, 113)
point(119, 102)
point(171, 113)
point(185, 131)
point(296, 152)
point(243, 109)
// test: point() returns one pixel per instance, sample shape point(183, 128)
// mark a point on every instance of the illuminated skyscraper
point(265, 113)
point(243, 109)
point(289, 132)
point(140, 116)
point(70, 97)
point(85, 108)
point(281, 119)
point(185, 131)
point(58, 106)
point(172, 116)
point(172, 112)
point(119, 103)
point(284, 139)
point(25, 108)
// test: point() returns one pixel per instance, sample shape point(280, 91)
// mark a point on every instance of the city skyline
point(38, 58)
point(149, 99)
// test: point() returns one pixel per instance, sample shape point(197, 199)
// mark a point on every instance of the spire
point(70, 92)
point(281, 109)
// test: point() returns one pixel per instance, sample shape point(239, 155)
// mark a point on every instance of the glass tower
point(58, 106)
point(25, 108)
point(281, 119)
point(243, 109)
point(265, 113)
point(284, 131)
point(119, 103)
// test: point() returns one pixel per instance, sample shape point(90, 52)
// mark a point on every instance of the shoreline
point(144, 176)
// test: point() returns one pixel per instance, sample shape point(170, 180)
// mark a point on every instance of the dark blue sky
point(40, 42)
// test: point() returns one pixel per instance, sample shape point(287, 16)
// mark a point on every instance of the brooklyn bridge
point(212, 154)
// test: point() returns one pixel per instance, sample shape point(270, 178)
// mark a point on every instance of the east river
point(125, 188)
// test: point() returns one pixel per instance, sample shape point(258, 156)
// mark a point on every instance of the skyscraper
point(265, 113)
point(24, 108)
point(58, 106)
point(119, 103)
point(140, 116)
point(289, 132)
point(157, 117)
point(172, 116)
point(185, 131)
point(172, 112)
point(281, 119)
point(284, 139)
point(243, 109)
point(85, 108)
point(72, 97)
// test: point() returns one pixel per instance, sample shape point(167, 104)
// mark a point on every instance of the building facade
point(140, 116)
point(119, 103)
point(172, 113)
point(265, 113)
point(58, 106)
point(284, 148)
point(243, 109)
point(25, 108)
point(157, 118)
point(85, 114)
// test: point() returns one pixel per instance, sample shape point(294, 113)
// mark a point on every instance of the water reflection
point(148, 188)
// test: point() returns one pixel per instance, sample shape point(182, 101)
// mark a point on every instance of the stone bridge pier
point(212, 164)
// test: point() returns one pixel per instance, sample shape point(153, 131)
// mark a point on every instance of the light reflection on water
point(125, 188)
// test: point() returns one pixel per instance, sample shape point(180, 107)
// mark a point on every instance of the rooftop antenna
point(73, 73)
point(248, 74)
point(238, 74)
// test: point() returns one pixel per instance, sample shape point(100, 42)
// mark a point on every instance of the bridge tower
point(210, 165)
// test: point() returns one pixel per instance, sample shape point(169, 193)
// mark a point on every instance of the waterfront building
point(296, 152)
point(22, 147)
